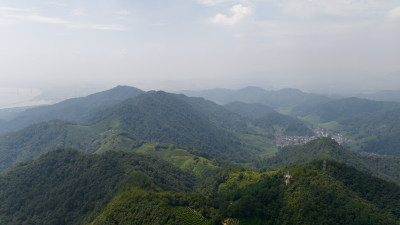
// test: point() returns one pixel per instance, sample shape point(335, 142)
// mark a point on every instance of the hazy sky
point(183, 44)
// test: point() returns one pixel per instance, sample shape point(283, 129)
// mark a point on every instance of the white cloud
point(36, 18)
point(237, 13)
point(78, 12)
point(51, 20)
point(394, 13)
point(10, 9)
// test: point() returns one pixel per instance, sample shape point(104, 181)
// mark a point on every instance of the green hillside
point(165, 118)
point(385, 167)
point(376, 133)
point(10, 113)
point(138, 206)
point(69, 187)
point(249, 110)
point(154, 117)
point(37, 139)
point(313, 196)
point(263, 118)
point(218, 114)
point(73, 110)
point(276, 123)
point(342, 108)
point(371, 125)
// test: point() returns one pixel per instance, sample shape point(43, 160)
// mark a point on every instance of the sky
point(314, 45)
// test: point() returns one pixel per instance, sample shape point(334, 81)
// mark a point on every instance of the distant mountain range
point(388, 96)
point(249, 110)
point(347, 107)
point(285, 98)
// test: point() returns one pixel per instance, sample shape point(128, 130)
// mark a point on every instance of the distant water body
point(18, 97)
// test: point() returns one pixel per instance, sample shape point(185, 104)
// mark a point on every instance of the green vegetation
point(165, 118)
point(372, 126)
point(138, 206)
point(257, 145)
point(377, 133)
point(154, 117)
point(387, 168)
point(74, 110)
point(40, 138)
point(342, 108)
point(313, 196)
point(276, 123)
point(69, 187)
point(217, 114)
point(156, 159)
point(269, 121)
point(249, 110)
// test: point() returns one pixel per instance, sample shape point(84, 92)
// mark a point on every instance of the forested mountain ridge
point(342, 108)
point(378, 132)
point(155, 117)
point(165, 118)
point(280, 124)
point(284, 98)
point(74, 110)
point(249, 110)
point(218, 114)
point(40, 138)
point(270, 121)
point(388, 95)
point(69, 187)
point(385, 167)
